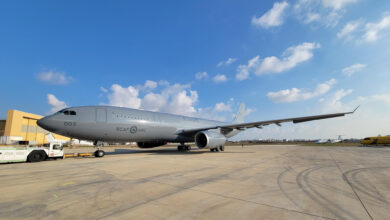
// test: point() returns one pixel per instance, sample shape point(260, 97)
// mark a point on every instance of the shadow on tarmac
point(167, 152)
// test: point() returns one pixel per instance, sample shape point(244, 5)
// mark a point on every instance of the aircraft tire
point(99, 153)
point(222, 148)
point(188, 148)
point(216, 149)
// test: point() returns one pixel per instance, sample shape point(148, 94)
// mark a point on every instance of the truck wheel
point(36, 156)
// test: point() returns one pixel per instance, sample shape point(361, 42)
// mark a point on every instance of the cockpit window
point(67, 112)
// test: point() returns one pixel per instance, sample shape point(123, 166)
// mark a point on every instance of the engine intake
point(150, 144)
point(209, 139)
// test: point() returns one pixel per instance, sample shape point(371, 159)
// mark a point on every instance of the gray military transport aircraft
point(152, 129)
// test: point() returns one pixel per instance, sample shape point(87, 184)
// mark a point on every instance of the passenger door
point(101, 115)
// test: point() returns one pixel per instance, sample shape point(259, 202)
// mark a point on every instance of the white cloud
point(201, 75)
point(272, 18)
point(176, 99)
point(124, 97)
point(243, 70)
point(385, 98)
point(350, 70)
point(349, 28)
point(311, 17)
point(55, 104)
point(334, 104)
point(219, 78)
point(325, 12)
point(294, 94)
point(337, 4)
point(54, 77)
point(227, 62)
point(372, 30)
point(364, 32)
point(222, 111)
point(149, 84)
point(103, 89)
point(290, 58)
point(221, 106)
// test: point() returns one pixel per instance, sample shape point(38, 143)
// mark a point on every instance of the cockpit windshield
point(66, 112)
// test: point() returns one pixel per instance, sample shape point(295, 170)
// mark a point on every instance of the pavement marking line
point(350, 185)
point(68, 183)
point(243, 200)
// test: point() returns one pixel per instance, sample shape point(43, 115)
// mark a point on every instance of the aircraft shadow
point(165, 152)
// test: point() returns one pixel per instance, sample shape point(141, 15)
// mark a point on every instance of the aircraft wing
point(260, 124)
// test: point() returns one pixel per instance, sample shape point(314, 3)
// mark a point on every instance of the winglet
point(355, 109)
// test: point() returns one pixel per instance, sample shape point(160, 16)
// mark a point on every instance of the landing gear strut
point(183, 147)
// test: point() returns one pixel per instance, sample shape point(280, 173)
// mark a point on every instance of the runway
point(254, 182)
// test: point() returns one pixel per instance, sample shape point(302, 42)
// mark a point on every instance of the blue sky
point(202, 58)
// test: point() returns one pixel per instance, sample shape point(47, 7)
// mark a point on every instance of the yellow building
point(22, 126)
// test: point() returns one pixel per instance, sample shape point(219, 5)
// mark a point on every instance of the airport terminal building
point(22, 126)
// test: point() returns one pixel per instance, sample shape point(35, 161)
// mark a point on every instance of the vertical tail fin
point(240, 114)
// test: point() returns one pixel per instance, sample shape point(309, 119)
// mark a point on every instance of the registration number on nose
point(69, 123)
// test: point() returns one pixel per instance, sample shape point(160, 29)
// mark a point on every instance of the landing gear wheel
point(184, 148)
point(222, 148)
point(211, 150)
point(99, 153)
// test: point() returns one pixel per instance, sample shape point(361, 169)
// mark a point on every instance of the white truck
point(53, 149)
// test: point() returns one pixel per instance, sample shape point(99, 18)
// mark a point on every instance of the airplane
point(152, 129)
point(376, 140)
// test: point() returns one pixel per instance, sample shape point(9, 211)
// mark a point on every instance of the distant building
point(22, 126)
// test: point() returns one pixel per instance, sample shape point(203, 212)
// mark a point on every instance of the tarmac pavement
point(254, 182)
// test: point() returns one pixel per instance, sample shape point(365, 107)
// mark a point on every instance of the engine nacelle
point(209, 139)
point(150, 144)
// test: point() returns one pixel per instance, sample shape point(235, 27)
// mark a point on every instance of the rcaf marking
point(132, 129)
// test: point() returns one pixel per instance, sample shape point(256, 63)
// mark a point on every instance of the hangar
point(22, 126)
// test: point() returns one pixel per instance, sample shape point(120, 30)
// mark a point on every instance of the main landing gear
point(183, 148)
point(99, 152)
point(220, 148)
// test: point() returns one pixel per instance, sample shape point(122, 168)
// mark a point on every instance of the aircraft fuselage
point(116, 124)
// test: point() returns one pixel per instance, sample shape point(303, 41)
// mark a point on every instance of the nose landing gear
point(99, 152)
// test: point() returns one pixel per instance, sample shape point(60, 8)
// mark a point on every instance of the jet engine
point(150, 144)
point(209, 139)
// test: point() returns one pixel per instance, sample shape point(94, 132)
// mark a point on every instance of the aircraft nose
point(43, 123)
